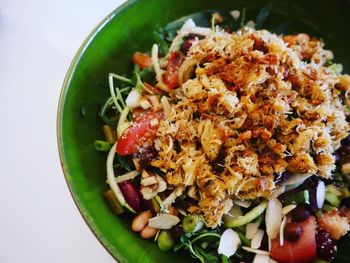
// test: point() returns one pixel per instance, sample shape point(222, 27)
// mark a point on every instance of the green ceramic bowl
point(109, 49)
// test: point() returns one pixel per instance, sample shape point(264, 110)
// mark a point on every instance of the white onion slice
point(256, 251)
point(296, 178)
point(273, 217)
point(112, 181)
point(229, 243)
point(288, 208)
point(320, 194)
point(133, 99)
point(242, 203)
point(128, 176)
point(283, 225)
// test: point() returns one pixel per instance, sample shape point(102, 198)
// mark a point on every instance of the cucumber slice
point(297, 198)
point(248, 217)
point(332, 199)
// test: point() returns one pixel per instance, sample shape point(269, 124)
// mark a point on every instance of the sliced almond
point(162, 186)
point(242, 203)
point(256, 251)
point(145, 104)
point(155, 101)
point(257, 239)
point(149, 181)
point(283, 225)
point(288, 208)
point(145, 174)
point(259, 258)
point(163, 221)
point(148, 193)
point(154, 122)
point(251, 230)
point(273, 217)
point(166, 106)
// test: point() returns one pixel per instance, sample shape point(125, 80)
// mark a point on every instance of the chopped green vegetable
point(248, 217)
point(332, 198)
point(102, 146)
point(165, 240)
point(192, 223)
point(301, 197)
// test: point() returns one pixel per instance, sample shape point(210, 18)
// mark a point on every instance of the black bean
point(300, 214)
point(292, 232)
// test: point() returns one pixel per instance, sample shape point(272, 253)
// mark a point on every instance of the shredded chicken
point(249, 108)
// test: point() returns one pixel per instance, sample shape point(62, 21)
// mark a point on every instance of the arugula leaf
point(160, 39)
point(209, 257)
point(224, 259)
point(262, 16)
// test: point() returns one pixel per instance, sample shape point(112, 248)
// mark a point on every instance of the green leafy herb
point(160, 39)
point(107, 108)
point(201, 245)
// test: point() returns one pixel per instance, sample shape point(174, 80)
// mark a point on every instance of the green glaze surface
point(109, 49)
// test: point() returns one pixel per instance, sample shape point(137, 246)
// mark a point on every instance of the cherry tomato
point(301, 251)
point(142, 59)
point(171, 76)
point(141, 132)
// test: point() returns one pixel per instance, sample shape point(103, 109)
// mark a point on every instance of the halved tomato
point(141, 132)
point(171, 76)
point(301, 251)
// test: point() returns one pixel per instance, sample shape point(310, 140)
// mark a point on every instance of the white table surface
point(38, 219)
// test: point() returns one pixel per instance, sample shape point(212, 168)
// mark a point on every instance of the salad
point(232, 145)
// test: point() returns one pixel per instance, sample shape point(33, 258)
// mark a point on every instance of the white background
point(38, 219)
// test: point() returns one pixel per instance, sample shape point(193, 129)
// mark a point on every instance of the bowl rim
point(59, 129)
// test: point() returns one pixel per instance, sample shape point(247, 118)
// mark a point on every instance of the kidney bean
point(130, 194)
